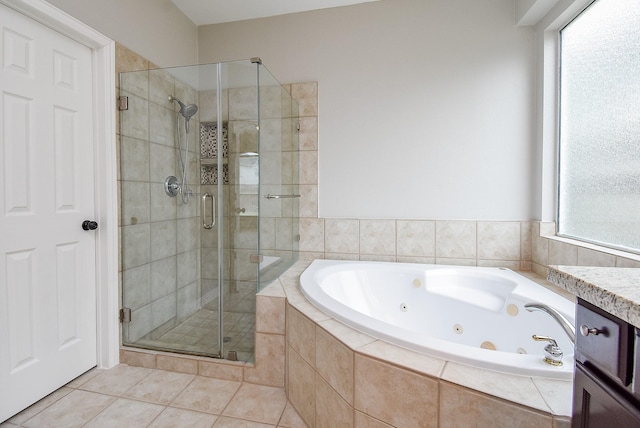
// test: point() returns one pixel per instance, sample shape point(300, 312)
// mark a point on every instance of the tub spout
point(564, 323)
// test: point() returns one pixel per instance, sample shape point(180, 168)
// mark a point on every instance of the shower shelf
point(213, 161)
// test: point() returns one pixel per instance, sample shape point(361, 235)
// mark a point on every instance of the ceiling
point(203, 12)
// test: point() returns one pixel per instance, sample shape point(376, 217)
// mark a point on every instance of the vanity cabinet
point(607, 378)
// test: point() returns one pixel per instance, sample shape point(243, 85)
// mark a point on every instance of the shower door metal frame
point(220, 214)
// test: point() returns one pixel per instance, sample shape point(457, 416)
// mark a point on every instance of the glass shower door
point(166, 298)
point(209, 204)
point(240, 213)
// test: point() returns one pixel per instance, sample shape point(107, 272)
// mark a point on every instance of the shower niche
point(209, 153)
point(192, 263)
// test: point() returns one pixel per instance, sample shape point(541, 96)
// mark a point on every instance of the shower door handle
point(204, 211)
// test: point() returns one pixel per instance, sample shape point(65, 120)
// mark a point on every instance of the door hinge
point(125, 315)
point(297, 237)
point(298, 127)
point(123, 102)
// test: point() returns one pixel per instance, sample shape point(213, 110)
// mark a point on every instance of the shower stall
point(209, 203)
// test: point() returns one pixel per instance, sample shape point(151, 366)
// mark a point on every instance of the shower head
point(187, 111)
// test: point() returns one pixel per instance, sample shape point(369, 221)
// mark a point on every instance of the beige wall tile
point(301, 335)
point(588, 257)
point(499, 240)
point(270, 361)
point(331, 409)
point(455, 261)
point(351, 338)
point(377, 258)
point(420, 363)
point(221, 370)
point(558, 395)
point(308, 167)
point(308, 139)
point(460, 407)
point(539, 246)
point(312, 235)
point(342, 236)
point(410, 259)
point(525, 240)
point(138, 359)
point(394, 395)
point(340, 256)
point(561, 253)
point(270, 314)
point(624, 262)
point(301, 386)
point(306, 94)
point(416, 238)
point(455, 239)
point(561, 422)
point(509, 264)
point(308, 200)
point(519, 389)
point(378, 237)
point(177, 364)
point(127, 60)
point(334, 362)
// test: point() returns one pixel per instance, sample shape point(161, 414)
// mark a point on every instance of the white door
point(47, 261)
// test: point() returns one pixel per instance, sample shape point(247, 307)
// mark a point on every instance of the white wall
point(154, 29)
point(426, 107)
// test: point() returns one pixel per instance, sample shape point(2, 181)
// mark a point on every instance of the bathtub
point(470, 315)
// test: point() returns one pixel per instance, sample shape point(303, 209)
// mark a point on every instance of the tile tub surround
point(337, 376)
point(615, 290)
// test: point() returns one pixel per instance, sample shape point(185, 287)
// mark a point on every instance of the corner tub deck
point(339, 376)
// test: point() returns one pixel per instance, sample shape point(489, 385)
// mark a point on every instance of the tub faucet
point(564, 323)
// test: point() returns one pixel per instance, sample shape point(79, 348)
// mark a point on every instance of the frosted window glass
point(599, 183)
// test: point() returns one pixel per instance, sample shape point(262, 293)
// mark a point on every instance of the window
point(599, 160)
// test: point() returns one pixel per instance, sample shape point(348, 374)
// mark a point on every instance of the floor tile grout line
point(164, 406)
point(41, 410)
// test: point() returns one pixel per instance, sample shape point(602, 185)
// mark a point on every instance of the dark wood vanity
point(606, 387)
point(607, 376)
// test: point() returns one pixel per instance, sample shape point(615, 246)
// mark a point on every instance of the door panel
point(47, 262)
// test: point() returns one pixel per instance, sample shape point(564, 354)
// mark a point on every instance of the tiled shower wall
point(159, 234)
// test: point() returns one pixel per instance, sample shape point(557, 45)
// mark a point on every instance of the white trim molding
point(103, 53)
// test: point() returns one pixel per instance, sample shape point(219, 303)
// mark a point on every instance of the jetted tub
point(470, 315)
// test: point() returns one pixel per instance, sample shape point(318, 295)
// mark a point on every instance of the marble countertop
point(615, 290)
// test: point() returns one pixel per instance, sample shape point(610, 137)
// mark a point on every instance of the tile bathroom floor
point(141, 397)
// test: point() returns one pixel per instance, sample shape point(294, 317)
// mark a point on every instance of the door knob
point(89, 225)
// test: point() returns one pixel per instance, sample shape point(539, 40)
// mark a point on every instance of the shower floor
point(198, 334)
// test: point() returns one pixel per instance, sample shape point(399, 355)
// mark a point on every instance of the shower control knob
point(89, 225)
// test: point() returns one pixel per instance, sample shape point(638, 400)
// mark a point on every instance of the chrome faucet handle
point(552, 352)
